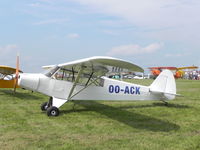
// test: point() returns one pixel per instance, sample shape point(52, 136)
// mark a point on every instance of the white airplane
point(85, 80)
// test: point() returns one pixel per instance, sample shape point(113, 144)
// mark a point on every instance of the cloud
point(8, 54)
point(73, 35)
point(35, 4)
point(51, 21)
point(177, 55)
point(156, 19)
point(5, 50)
point(147, 12)
point(134, 49)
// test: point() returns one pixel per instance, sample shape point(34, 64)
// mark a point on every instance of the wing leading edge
point(100, 64)
point(5, 70)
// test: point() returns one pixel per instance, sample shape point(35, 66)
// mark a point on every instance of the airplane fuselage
point(109, 89)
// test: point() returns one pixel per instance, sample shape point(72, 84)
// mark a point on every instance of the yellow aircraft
point(181, 71)
point(8, 76)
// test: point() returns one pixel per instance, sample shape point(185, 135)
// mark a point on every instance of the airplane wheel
point(44, 106)
point(52, 111)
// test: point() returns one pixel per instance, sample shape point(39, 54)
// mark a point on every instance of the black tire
point(44, 106)
point(52, 111)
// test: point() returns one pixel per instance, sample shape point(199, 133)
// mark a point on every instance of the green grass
point(95, 125)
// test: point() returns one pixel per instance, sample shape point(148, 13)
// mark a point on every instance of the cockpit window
point(65, 74)
point(7, 77)
point(71, 75)
point(50, 72)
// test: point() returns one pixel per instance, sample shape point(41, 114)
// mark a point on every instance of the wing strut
point(75, 82)
point(89, 78)
point(84, 87)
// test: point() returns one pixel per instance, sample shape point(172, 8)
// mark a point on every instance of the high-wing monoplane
point(86, 79)
point(7, 77)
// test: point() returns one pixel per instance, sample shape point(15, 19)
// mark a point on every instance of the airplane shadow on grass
point(170, 105)
point(157, 104)
point(132, 119)
point(21, 95)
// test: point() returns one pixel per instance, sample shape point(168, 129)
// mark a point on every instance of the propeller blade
point(16, 73)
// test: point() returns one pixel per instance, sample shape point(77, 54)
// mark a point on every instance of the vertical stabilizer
point(165, 83)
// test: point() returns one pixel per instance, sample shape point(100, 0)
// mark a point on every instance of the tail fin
point(165, 84)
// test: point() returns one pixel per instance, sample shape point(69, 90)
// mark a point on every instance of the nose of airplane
point(29, 81)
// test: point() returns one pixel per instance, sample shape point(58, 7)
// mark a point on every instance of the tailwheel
point(44, 106)
point(52, 111)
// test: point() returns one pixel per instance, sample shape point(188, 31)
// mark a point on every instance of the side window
point(85, 79)
point(1, 76)
point(64, 74)
point(50, 72)
point(101, 83)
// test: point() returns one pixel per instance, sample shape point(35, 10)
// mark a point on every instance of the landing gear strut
point(51, 110)
point(46, 105)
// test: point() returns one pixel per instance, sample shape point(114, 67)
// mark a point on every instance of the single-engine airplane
point(7, 77)
point(85, 80)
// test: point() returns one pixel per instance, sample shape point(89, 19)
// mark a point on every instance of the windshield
point(51, 71)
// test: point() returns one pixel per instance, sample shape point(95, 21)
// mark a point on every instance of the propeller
point(16, 74)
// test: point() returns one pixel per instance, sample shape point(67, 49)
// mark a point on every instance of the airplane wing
point(190, 67)
point(100, 65)
point(5, 70)
point(169, 68)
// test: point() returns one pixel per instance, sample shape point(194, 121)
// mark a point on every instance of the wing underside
point(100, 65)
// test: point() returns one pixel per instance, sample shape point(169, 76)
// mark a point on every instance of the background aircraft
point(7, 77)
point(178, 72)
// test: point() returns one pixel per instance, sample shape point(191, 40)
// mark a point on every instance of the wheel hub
point(53, 112)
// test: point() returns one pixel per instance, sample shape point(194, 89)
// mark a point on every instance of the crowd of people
point(192, 75)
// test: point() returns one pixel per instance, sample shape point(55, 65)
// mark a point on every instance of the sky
point(146, 32)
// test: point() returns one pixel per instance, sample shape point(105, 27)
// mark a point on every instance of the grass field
point(102, 125)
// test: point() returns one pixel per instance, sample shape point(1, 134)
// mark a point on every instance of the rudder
point(165, 83)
